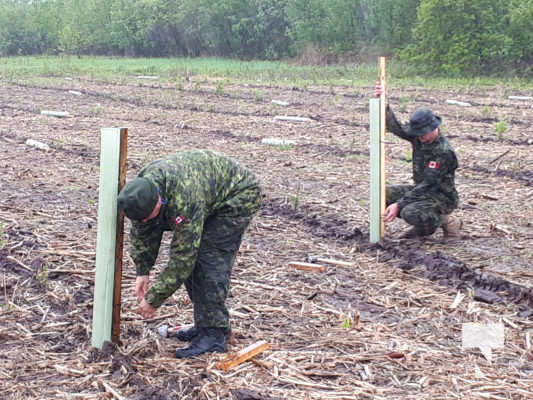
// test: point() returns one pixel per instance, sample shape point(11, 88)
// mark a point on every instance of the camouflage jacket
point(193, 185)
point(434, 166)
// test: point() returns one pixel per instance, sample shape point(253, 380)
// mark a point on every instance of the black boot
point(207, 340)
point(187, 334)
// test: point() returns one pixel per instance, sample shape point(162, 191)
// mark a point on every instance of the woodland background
point(443, 37)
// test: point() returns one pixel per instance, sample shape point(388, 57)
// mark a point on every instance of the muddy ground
point(384, 328)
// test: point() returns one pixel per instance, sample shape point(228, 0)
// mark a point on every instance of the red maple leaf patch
point(433, 164)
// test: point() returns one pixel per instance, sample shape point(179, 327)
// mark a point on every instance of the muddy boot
point(187, 334)
point(451, 226)
point(207, 340)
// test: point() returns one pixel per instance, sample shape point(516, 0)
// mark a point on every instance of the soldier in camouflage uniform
point(428, 203)
point(207, 200)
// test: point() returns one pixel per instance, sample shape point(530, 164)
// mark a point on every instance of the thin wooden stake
point(382, 127)
point(117, 290)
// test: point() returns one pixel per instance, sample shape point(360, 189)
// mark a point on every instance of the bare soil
point(384, 328)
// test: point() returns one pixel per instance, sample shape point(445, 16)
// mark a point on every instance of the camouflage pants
point(426, 214)
point(208, 284)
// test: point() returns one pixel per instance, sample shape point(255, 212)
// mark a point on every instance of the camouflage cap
point(138, 198)
point(423, 121)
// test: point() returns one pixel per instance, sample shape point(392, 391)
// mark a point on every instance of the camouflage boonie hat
point(138, 198)
point(423, 121)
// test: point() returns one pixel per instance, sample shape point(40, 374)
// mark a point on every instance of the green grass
point(256, 72)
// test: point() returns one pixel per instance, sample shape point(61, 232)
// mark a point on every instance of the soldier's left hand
point(146, 310)
point(391, 212)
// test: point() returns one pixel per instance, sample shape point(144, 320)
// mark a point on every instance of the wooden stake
point(243, 355)
point(307, 266)
point(106, 238)
point(382, 127)
point(117, 290)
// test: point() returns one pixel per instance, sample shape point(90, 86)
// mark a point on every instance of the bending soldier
point(207, 200)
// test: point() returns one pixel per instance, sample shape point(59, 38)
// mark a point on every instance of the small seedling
point(346, 323)
point(285, 146)
point(500, 127)
point(295, 198)
point(220, 87)
point(259, 95)
point(97, 109)
point(42, 276)
point(485, 110)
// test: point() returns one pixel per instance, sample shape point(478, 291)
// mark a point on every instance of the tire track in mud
point(438, 267)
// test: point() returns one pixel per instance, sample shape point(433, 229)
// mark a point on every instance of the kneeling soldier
point(428, 203)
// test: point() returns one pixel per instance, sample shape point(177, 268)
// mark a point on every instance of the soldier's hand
point(141, 286)
point(146, 310)
point(391, 212)
point(379, 90)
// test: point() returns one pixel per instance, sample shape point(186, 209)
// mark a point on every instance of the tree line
point(453, 37)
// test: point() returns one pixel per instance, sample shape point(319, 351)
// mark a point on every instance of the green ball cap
point(138, 198)
point(423, 121)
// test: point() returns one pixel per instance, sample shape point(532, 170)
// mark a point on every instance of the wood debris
point(303, 266)
point(243, 355)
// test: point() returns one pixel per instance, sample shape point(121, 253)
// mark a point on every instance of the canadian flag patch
point(433, 164)
point(179, 219)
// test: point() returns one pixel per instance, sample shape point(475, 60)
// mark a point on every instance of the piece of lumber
point(458, 103)
point(106, 237)
point(288, 118)
point(242, 355)
point(334, 262)
point(303, 266)
point(280, 103)
point(37, 145)
point(520, 98)
point(149, 77)
point(58, 114)
point(75, 92)
point(278, 142)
